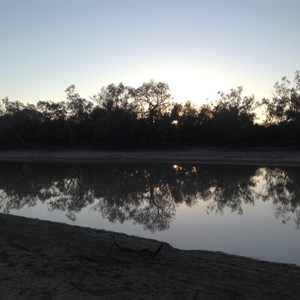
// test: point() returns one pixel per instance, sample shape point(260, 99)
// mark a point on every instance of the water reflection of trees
point(282, 187)
point(148, 194)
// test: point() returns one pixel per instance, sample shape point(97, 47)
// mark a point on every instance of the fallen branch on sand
point(143, 250)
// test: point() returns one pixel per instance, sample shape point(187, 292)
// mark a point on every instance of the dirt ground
point(45, 260)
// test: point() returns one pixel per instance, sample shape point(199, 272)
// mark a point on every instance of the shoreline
point(275, 156)
point(42, 259)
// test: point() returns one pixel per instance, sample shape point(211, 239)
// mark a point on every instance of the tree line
point(120, 115)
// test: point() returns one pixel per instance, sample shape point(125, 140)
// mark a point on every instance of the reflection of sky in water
point(254, 233)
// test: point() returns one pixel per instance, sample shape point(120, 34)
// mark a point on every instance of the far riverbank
point(276, 156)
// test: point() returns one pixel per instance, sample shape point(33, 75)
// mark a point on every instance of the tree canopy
point(121, 115)
point(285, 104)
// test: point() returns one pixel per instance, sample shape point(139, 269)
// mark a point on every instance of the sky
point(197, 47)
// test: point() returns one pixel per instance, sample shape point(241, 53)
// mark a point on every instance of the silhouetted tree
point(8, 110)
point(116, 127)
point(285, 104)
point(283, 111)
point(233, 117)
point(79, 108)
point(54, 128)
point(52, 110)
point(115, 97)
point(153, 98)
point(78, 116)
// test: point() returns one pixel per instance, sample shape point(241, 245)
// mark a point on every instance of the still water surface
point(249, 211)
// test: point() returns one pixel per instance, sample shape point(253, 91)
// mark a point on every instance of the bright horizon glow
point(186, 82)
point(197, 47)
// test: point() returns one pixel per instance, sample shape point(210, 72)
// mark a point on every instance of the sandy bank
point(44, 260)
point(245, 156)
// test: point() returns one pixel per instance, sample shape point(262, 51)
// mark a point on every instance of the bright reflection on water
point(241, 210)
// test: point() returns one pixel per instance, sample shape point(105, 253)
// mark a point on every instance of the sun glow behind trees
point(187, 81)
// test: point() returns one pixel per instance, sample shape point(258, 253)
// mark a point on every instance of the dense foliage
point(121, 115)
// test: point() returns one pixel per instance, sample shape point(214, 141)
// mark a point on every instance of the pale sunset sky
point(197, 47)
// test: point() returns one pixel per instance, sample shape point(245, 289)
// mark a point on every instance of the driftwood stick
point(143, 250)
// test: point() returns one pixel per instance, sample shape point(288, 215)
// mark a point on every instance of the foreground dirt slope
point(45, 260)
